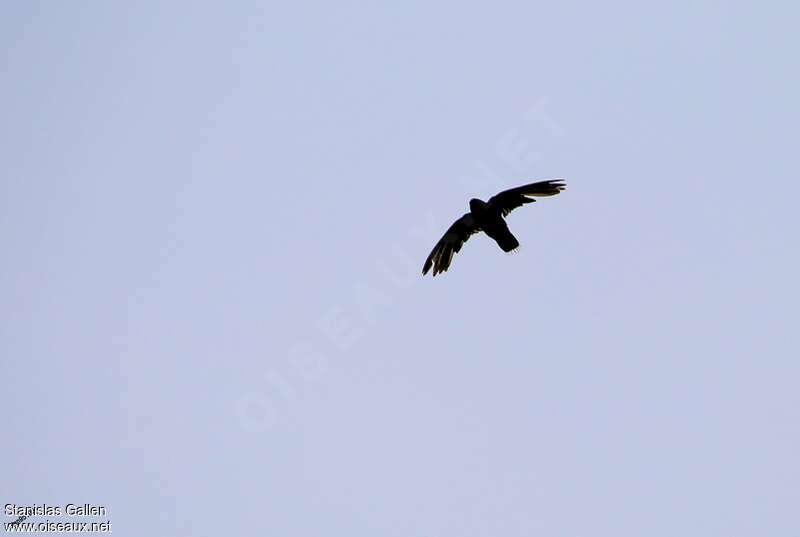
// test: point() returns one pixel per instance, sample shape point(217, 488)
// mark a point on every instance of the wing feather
point(508, 200)
point(450, 244)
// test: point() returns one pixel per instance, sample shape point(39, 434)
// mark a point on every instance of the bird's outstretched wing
point(508, 200)
point(451, 243)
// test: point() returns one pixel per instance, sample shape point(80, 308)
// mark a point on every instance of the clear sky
point(213, 220)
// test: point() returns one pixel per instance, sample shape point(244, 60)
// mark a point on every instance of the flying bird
point(489, 218)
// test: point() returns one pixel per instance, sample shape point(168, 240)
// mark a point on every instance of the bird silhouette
point(489, 218)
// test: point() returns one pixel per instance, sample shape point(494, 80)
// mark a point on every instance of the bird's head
point(476, 205)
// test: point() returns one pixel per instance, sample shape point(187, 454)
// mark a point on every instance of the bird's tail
point(507, 241)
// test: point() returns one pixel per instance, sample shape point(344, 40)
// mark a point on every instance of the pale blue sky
point(214, 216)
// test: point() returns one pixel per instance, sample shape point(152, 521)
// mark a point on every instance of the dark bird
point(489, 218)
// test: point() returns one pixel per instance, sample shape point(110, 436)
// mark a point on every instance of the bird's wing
point(451, 243)
point(508, 200)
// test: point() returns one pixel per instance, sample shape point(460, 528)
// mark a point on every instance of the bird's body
point(493, 224)
point(488, 217)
